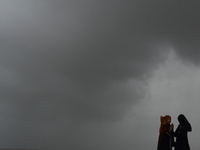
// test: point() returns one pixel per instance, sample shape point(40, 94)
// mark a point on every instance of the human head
point(166, 120)
point(182, 119)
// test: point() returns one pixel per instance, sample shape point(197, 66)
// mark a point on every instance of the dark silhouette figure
point(165, 139)
point(181, 133)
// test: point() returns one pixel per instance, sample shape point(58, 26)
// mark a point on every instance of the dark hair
point(182, 119)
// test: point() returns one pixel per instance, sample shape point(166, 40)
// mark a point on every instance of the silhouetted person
point(165, 134)
point(181, 133)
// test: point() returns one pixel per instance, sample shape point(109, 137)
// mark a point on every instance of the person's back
point(181, 134)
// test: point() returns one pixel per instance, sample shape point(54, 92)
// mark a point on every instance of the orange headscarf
point(164, 127)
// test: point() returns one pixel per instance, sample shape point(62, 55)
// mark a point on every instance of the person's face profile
point(169, 121)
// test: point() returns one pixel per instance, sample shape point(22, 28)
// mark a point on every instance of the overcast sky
point(97, 74)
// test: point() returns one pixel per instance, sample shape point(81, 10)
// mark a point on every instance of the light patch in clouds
point(174, 90)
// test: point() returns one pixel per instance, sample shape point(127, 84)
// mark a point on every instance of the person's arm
point(171, 128)
point(186, 127)
point(177, 131)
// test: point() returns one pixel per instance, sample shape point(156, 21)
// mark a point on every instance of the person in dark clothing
point(165, 139)
point(181, 133)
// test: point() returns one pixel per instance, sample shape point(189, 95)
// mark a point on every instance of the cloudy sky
point(97, 74)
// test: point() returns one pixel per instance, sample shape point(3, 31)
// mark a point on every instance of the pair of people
point(166, 136)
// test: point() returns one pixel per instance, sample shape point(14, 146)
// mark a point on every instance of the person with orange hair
point(165, 140)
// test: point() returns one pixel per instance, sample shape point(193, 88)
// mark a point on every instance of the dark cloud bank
point(65, 63)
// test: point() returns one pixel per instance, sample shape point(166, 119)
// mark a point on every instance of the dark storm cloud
point(87, 60)
point(78, 59)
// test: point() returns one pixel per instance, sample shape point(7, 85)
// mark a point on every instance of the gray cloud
point(75, 61)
